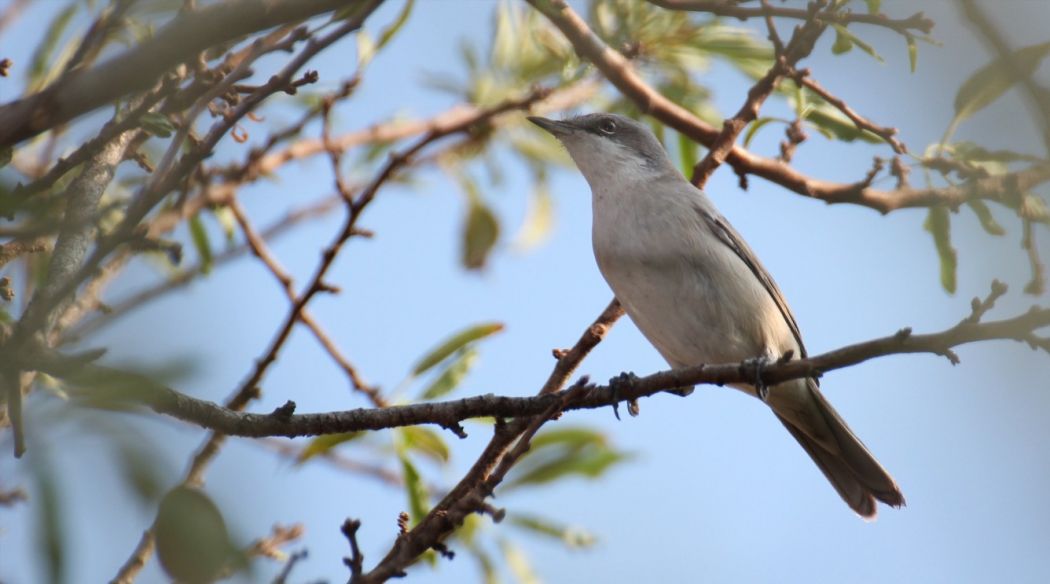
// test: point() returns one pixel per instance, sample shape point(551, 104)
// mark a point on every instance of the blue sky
point(717, 489)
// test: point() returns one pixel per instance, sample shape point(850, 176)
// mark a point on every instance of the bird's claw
point(754, 366)
point(616, 384)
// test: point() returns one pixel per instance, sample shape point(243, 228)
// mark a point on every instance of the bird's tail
point(841, 456)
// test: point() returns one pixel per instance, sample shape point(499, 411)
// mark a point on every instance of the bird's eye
point(607, 127)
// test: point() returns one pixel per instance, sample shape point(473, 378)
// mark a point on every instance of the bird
point(698, 293)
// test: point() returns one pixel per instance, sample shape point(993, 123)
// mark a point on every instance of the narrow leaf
point(426, 442)
point(322, 444)
point(938, 224)
point(366, 48)
point(873, 6)
point(201, 242)
point(44, 57)
point(390, 31)
point(455, 343)
point(415, 490)
point(518, 563)
point(913, 52)
point(752, 130)
point(572, 537)
point(984, 215)
point(988, 83)
point(539, 218)
point(452, 376)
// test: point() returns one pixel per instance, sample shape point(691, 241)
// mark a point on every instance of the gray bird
point(698, 293)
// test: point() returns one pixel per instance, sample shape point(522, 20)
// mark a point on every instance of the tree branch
point(449, 413)
point(800, 45)
point(616, 68)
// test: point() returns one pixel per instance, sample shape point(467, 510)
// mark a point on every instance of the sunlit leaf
point(415, 490)
point(202, 243)
point(455, 343)
point(426, 442)
point(322, 444)
point(366, 48)
point(453, 374)
point(873, 6)
point(988, 83)
point(539, 218)
point(572, 537)
point(227, 221)
point(938, 224)
point(518, 563)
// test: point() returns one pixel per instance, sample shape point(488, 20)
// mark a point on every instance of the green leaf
point(366, 48)
point(43, 59)
point(454, 343)
point(426, 442)
point(518, 563)
point(752, 130)
point(873, 6)
point(834, 125)
point(688, 153)
point(480, 233)
point(453, 374)
point(572, 537)
point(157, 124)
point(988, 83)
point(418, 504)
point(5, 155)
point(50, 517)
point(913, 52)
point(227, 221)
point(565, 452)
point(193, 543)
point(390, 31)
point(202, 244)
point(843, 43)
point(938, 224)
point(845, 40)
point(539, 217)
point(322, 444)
point(984, 215)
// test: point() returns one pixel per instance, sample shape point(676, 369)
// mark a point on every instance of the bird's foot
point(754, 367)
point(617, 384)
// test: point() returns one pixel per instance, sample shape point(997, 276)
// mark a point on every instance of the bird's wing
point(727, 235)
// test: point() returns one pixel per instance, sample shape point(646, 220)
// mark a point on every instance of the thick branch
point(83, 90)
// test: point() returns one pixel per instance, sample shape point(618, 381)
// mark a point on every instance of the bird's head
point(610, 149)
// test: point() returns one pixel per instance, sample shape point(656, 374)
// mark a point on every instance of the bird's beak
point(556, 128)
